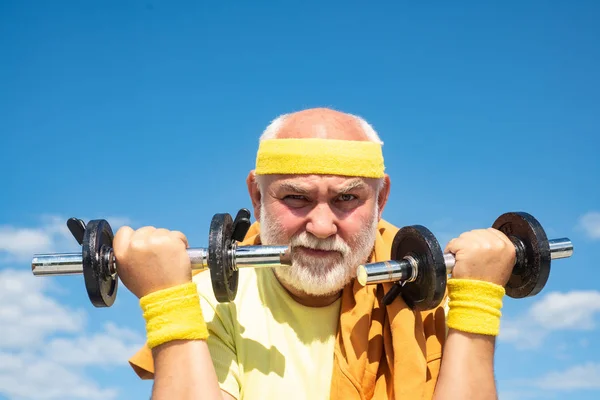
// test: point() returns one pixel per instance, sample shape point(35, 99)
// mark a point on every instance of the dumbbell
point(223, 257)
point(420, 269)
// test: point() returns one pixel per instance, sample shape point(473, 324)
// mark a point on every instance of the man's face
point(330, 222)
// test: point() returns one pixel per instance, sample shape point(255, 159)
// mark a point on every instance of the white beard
point(319, 276)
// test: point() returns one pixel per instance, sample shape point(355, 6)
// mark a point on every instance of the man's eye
point(347, 197)
point(295, 200)
point(294, 197)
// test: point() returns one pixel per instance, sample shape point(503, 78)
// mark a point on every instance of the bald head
point(321, 123)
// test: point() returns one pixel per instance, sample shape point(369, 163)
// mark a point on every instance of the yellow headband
point(320, 156)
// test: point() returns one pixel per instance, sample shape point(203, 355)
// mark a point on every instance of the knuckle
point(464, 235)
point(493, 239)
point(160, 232)
point(140, 233)
point(118, 251)
point(487, 243)
point(145, 230)
point(511, 250)
point(138, 244)
point(122, 230)
point(158, 239)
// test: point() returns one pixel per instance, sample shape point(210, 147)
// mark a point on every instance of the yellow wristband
point(474, 306)
point(173, 314)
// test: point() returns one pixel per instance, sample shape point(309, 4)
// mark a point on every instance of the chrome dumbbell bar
point(407, 269)
point(59, 264)
point(223, 257)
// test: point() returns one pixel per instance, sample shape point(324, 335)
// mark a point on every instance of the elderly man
point(310, 331)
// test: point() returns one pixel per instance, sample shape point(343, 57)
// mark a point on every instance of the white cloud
point(27, 376)
point(519, 394)
point(555, 311)
point(567, 311)
point(104, 348)
point(27, 315)
point(44, 347)
point(554, 384)
point(590, 224)
point(584, 376)
point(21, 241)
point(52, 235)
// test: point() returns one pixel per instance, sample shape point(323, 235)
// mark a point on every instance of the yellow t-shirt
point(264, 345)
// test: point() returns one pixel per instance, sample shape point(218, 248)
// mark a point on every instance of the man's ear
point(383, 194)
point(254, 192)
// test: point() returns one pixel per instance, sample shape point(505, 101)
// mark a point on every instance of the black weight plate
point(529, 277)
point(427, 291)
point(224, 279)
point(100, 285)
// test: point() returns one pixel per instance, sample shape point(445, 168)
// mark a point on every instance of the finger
point(500, 235)
point(161, 232)
point(478, 235)
point(179, 235)
point(159, 236)
point(454, 245)
point(143, 232)
point(506, 240)
point(162, 235)
point(449, 245)
point(486, 239)
point(473, 238)
point(121, 240)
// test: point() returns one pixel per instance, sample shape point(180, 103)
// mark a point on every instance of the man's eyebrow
point(292, 187)
point(296, 188)
point(352, 185)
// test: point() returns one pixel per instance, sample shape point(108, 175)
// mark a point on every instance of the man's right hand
point(148, 260)
point(151, 259)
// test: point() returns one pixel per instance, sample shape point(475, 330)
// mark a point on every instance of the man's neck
point(308, 300)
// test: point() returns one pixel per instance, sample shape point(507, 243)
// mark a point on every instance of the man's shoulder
point(385, 224)
point(387, 230)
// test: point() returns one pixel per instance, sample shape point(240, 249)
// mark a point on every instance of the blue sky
point(148, 113)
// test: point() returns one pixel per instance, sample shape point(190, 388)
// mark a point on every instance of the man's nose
point(322, 223)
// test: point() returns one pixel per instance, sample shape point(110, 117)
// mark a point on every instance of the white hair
point(272, 130)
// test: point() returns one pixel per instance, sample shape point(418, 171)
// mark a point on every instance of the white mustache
point(330, 244)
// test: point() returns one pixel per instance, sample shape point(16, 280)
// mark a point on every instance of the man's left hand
point(483, 254)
